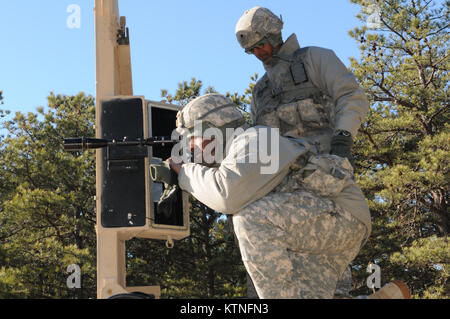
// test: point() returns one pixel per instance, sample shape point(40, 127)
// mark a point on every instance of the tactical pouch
point(327, 175)
point(312, 114)
point(296, 118)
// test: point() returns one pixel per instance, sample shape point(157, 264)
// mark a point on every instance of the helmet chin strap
point(273, 59)
point(274, 40)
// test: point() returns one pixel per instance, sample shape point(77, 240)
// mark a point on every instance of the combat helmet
point(210, 111)
point(257, 25)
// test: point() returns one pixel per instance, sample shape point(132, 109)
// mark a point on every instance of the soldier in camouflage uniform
point(306, 92)
point(297, 227)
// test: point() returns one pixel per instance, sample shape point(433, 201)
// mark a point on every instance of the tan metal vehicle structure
point(114, 80)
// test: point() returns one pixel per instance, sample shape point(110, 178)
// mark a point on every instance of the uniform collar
point(287, 50)
point(290, 46)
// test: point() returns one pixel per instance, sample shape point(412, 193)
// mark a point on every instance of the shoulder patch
point(298, 70)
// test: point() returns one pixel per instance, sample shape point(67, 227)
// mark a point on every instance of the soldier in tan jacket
point(294, 209)
point(305, 92)
point(308, 93)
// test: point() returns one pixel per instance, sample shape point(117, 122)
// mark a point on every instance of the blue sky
point(171, 41)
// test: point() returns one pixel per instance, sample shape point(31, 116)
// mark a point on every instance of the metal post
point(114, 79)
point(111, 269)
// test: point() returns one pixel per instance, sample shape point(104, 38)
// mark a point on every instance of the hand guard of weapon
point(342, 146)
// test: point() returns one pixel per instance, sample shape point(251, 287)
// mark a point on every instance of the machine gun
point(125, 156)
point(81, 144)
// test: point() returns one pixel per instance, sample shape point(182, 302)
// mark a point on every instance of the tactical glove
point(341, 145)
point(168, 201)
point(162, 173)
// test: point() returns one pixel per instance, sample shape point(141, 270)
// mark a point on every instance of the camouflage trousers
point(297, 244)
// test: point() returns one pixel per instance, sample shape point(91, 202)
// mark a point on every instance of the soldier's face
point(198, 146)
point(263, 52)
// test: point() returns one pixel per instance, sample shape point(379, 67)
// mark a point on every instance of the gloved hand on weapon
point(341, 145)
point(162, 173)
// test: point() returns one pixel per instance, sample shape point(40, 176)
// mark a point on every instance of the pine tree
point(403, 149)
point(47, 214)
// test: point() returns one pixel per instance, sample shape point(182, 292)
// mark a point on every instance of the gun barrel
point(78, 144)
point(83, 143)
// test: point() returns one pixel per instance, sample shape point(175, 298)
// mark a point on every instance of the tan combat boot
point(394, 290)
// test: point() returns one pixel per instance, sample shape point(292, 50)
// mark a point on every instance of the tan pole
point(114, 78)
point(110, 249)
